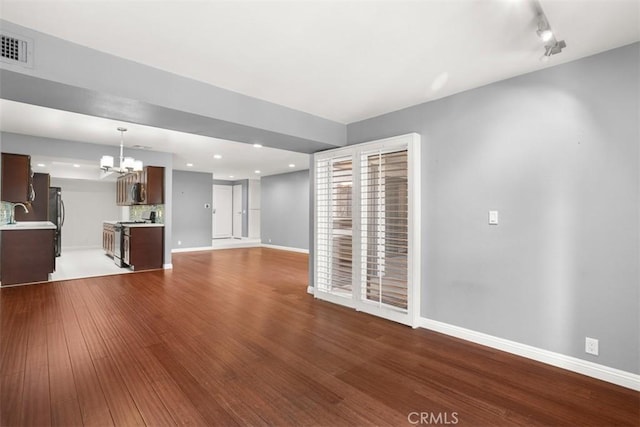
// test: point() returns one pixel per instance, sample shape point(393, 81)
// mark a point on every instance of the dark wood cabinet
point(152, 180)
point(143, 247)
point(17, 186)
point(26, 256)
point(108, 238)
point(150, 189)
point(39, 206)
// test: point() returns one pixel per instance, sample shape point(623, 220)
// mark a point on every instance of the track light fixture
point(544, 31)
point(552, 49)
point(552, 45)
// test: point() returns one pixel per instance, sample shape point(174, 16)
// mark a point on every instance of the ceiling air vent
point(17, 50)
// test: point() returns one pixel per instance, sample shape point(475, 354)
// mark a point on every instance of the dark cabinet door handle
point(63, 213)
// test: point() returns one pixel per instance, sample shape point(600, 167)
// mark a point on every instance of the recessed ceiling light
point(189, 165)
point(42, 165)
point(257, 171)
point(217, 156)
point(291, 165)
point(257, 145)
point(230, 176)
point(75, 165)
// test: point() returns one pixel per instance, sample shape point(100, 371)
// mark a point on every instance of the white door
point(254, 209)
point(222, 211)
point(237, 211)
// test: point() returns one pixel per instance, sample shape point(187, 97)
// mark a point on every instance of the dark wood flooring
point(231, 337)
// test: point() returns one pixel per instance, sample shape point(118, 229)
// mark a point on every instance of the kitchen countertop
point(28, 225)
point(134, 224)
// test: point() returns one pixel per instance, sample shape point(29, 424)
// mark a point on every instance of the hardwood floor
point(231, 337)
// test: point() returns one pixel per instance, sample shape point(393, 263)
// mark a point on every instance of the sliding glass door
point(366, 240)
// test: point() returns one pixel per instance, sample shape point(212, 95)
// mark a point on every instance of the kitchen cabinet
point(151, 187)
point(108, 238)
point(17, 185)
point(26, 256)
point(39, 207)
point(152, 180)
point(143, 247)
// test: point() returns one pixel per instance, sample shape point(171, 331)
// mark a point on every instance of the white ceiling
point(342, 60)
point(239, 160)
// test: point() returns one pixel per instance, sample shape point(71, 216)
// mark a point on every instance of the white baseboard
point(167, 266)
point(584, 367)
point(201, 248)
point(310, 290)
point(285, 248)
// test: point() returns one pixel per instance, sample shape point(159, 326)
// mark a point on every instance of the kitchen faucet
point(12, 218)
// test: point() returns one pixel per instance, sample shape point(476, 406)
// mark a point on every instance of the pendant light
point(126, 164)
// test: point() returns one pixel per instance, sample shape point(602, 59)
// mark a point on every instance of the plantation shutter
point(334, 181)
point(367, 227)
point(384, 228)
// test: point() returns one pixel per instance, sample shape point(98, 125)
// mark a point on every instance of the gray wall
point(556, 153)
point(284, 216)
point(191, 219)
point(34, 145)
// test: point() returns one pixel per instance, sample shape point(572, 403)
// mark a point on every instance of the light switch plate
point(493, 217)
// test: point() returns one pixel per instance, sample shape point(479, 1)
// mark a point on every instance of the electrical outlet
point(269, 240)
point(179, 242)
point(591, 346)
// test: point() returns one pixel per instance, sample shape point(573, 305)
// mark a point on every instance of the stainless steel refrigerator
point(56, 215)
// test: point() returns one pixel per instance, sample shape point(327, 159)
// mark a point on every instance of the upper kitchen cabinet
point(141, 188)
point(17, 183)
point(39, 210)
point(152, 190)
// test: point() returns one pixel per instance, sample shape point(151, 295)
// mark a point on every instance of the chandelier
point(126, 164)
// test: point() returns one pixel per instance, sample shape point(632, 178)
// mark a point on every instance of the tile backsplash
point(5, 212)
point(139, 212)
